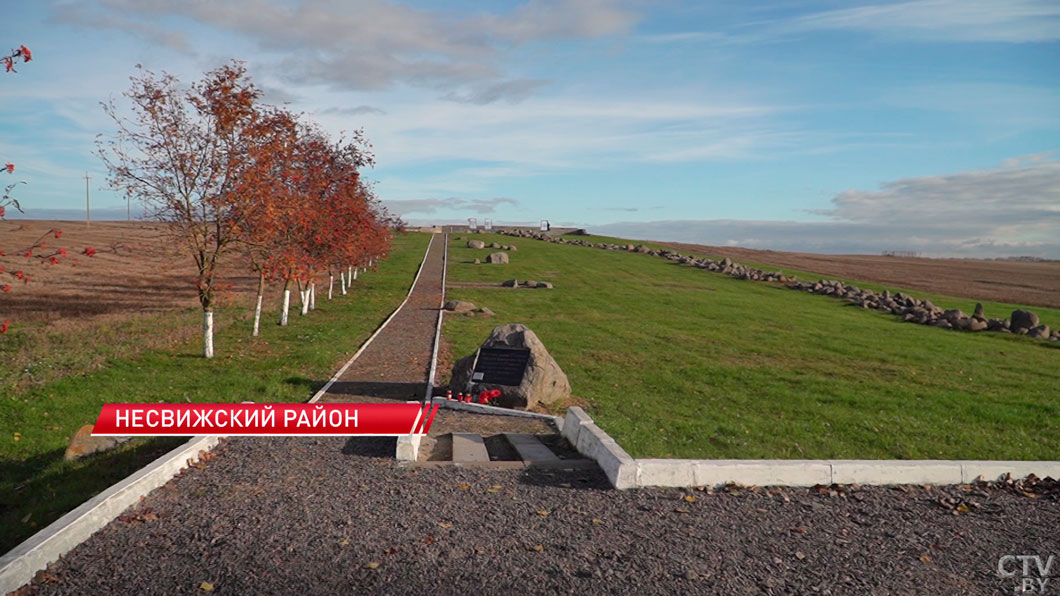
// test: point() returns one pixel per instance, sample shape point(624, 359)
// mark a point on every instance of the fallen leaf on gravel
point(390, 551)
point(690, 499)
point(446, 525)
point(539, 547)
point(798, 530)
point(963, 508)
point(345, 542)
point(372, 565)
point(206, 587)
point(680, 510)
point(925, 558)
point(543, 512)
point(800, 555)
point(597, 521)
point(428, 540)
point(494, 488)
point(150, 517)
point(464, 486)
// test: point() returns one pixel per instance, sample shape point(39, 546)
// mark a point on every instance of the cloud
point(354, 111)
point(473, 206)
point(80, 15)
point(1008, 211)
point(1012, 21)
point(370, 45)
point(512, 91)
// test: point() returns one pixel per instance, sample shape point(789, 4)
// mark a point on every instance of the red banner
point(330, 419)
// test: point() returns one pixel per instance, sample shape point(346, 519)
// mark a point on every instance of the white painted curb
point(429, 391)
point(18, 566)
point(626, 472)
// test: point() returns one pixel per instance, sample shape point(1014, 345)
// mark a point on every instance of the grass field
point(679, 362)
point(284, 364)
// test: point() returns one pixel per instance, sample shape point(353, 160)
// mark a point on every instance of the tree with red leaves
point(181, 153)
point(39, 248)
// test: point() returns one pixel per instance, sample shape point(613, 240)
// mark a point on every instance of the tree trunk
point(331, 285)
point(207, 333)
point(349, 274)
point(257, 307)
point(354, 274)
point(342, 282)
point(286, 303)
point(304, 297)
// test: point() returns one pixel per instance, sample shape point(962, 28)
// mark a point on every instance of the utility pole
point(88, 204)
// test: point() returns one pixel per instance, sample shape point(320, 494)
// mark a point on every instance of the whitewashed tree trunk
point(354, 274)
point(286, 307)
point(331, 285)
point(304, 295)
point(349, 273)
point(207, 333)
point(257, 317)
point(313, 296)
point(342, 280)
point(257, 307)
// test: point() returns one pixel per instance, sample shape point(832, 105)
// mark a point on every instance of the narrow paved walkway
point(396, 364)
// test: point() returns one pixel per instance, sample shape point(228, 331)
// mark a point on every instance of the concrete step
point(530, 449)
point(469, 448)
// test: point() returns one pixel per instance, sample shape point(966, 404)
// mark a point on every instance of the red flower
point(10, 168)
point(62, 252)
point(26, 54)
point(5, 288)
point(29, 253)
point(54, 261)
point(89, 251)
point(3, 328)
point(58, 233)
point(20, 274)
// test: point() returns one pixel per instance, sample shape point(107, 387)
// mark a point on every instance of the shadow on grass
point(39, 490)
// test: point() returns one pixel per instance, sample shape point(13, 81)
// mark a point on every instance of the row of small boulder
point(481, 244)
point(468, 309)
point(515, 283)
point(909, 308)
point(923, 312)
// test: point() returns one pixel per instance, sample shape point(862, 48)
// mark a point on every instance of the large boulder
point(1023, 319)
point(83, 444)
point(497, 258)
point(476, 244)
point(543, 382)
point(459, 306)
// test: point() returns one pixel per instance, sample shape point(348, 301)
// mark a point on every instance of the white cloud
point(452, 203)
point(1008, 211)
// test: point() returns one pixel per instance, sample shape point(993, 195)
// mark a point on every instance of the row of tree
point(232, 176)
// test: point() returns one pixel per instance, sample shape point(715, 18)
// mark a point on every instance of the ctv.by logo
point(1032, 573)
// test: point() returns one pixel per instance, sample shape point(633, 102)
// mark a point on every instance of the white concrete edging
point(18, 566)
point(626, 472)
point(429, 391)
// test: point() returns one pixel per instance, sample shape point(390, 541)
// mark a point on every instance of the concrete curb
point(495, 411)
point(18, 566)
point(429, 391)
point(626, 472)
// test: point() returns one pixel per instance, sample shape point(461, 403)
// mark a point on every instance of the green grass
point(284, 364)
point(679, 362)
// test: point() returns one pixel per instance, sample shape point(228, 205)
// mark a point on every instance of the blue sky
point(928, 125)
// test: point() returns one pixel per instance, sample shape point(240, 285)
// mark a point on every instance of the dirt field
point(1017, 282)
point(136, 269)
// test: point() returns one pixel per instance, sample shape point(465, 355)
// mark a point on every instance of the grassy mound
point(679, 362)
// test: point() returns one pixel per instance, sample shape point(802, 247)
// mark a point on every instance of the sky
point(930, 126)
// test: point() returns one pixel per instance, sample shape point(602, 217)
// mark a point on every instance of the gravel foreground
point(339, 516)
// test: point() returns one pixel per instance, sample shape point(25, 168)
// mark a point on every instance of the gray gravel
point(287, 515)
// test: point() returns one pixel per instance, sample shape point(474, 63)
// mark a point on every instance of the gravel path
point(339, 516)
point(331, 516)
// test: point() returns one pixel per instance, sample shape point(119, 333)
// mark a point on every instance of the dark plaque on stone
point(501, 366)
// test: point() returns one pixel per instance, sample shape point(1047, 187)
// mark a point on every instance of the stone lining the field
point(911, 309)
